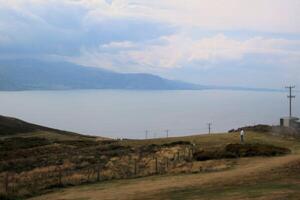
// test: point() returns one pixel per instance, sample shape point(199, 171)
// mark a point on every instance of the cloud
point(255, 15)
point(118, 45)
point(180, 50)
point(156, 36)
point(4, 39)
point(64, 27)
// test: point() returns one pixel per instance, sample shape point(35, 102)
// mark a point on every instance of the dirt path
point(247, 169)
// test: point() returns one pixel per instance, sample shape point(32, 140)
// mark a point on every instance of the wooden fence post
point(167, 164)
point(190, 154)
point(6, 182)
point(89, 173)
point(59, 176)
point(98, 173)
point(156, 166)
point(135, 167)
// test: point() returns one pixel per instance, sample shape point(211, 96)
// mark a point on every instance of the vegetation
point(251, 178)
point(240, 150)
point(33, 163)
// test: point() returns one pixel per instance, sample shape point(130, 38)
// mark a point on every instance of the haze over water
point(128, 114)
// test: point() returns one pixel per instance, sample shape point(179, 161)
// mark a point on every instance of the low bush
point(176, 143)
point(240, 150)
point(8, 197)
point(248, 150)
point(22, 143)
point(79, 143)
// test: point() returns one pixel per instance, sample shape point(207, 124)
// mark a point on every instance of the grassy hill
point(255, 178)
point(44, 163)
point(240, 178)
point(12, 127)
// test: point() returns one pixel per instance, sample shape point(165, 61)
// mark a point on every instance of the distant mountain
point(24, 74)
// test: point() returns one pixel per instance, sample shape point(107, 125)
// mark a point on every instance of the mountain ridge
point(16, 75)
point(34, 74)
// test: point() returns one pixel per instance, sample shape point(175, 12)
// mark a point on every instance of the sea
point(147, 114)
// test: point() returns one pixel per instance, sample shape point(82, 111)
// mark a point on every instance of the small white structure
point(290, 122)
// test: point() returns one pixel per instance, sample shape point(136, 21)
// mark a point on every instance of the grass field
point(246, 178)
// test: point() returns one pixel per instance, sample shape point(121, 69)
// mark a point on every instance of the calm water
point(115, 113)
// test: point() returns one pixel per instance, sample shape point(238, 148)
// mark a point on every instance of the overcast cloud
point(203, 41)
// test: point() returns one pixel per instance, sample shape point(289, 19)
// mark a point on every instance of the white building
point(290, 122)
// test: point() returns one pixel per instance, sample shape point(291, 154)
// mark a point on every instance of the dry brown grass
point(249, 171)
point(222, 139)
point(181, 178)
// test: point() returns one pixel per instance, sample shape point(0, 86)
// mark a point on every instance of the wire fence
point(129, 166)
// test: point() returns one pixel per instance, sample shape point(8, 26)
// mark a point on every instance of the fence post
point(59, 176)
point(156, 166)
point(167, 164)
point(190, 154)
point(178, 158)
point(6, 182)
point(98, 173)
point(89, 172)
point(135, 167)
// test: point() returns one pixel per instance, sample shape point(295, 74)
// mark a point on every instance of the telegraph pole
point(167, 132)
point(209, 127)
point(290, 96)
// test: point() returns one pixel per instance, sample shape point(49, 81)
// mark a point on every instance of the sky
point(214, 42)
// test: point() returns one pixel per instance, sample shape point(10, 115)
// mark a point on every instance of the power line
point(290, 96)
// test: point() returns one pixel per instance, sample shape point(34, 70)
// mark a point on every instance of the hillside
point(34, 163)
point(12, 127)
point(41, 75)
point(256, 178)
point(266, 178)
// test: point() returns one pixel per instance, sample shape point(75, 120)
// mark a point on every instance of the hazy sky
point(221, 42)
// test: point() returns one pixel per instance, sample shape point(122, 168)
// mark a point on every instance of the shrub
point(248, 150)
point(176, 143)
point(240, 150)
point(8, 197)
point(22, 143)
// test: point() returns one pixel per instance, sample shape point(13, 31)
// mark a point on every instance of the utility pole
point(146, 134)
point(167, 132)
point(209, 127)
point(290, 96)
